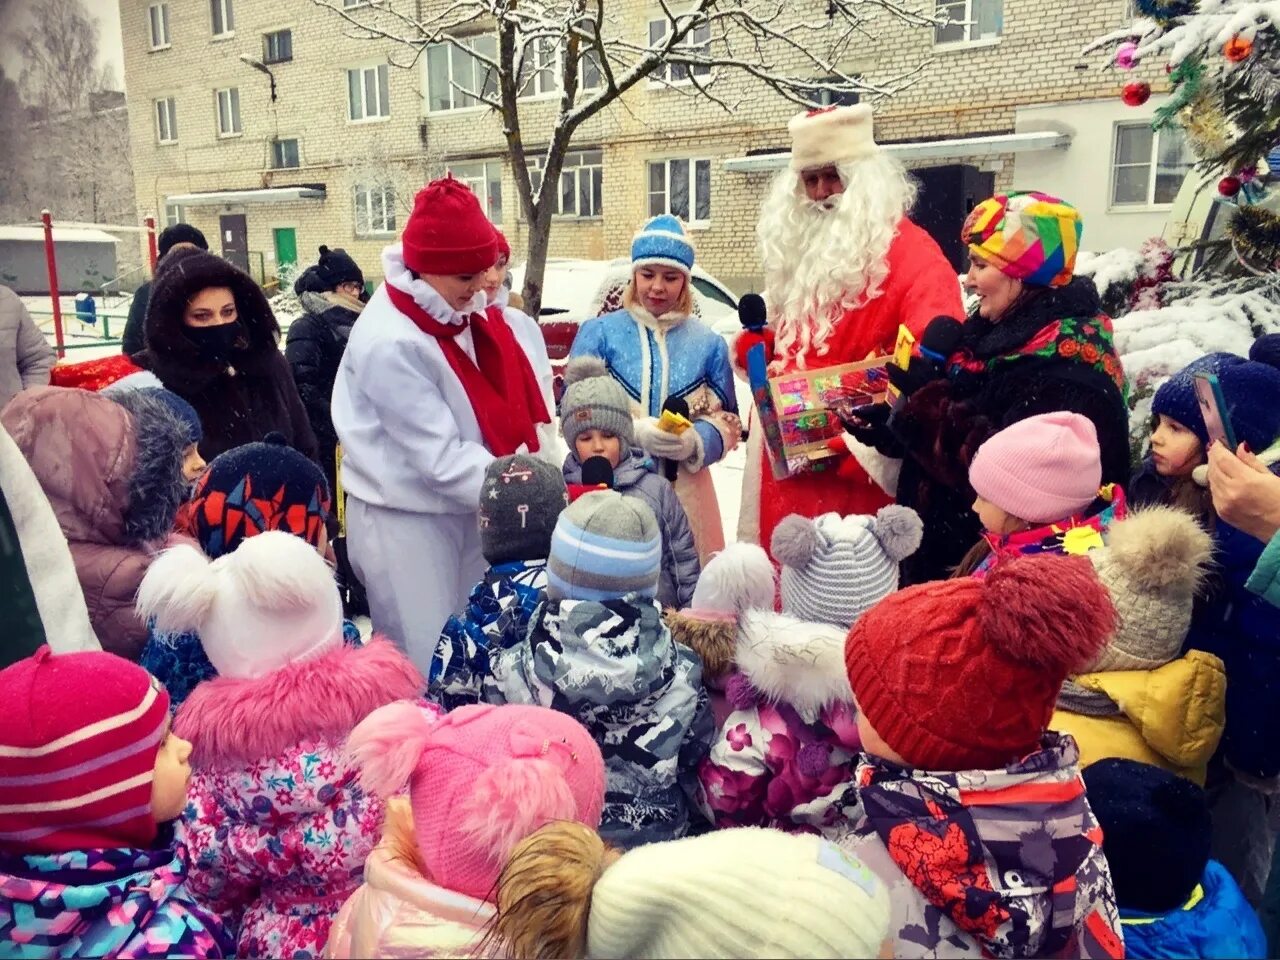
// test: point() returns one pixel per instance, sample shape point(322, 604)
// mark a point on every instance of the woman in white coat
point(433, 385)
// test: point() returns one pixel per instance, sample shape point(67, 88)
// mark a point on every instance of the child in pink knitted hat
point(481, 779)
point(1038, 486)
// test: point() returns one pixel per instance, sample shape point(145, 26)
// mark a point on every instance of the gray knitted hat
point(836, 568)
point(1153, 563)
point(519, 502)
point(593, 400)
point(605, 546)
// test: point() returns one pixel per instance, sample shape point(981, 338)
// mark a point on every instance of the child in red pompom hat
point(972, 811)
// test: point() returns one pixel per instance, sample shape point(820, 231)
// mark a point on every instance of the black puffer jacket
point(314, 350)
point(240, 402)
point(1053, 351)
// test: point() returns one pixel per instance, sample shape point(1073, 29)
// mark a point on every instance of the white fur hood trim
point(792, 660)
point(425, 295)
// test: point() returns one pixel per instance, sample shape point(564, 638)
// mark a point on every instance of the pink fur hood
point(232, 722)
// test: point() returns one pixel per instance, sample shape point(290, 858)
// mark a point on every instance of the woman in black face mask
point(213, 340)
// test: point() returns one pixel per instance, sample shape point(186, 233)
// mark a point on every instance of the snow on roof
point(60, 234)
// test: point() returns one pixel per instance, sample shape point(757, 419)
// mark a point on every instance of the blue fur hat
point(662, 241)
point(1251, 388)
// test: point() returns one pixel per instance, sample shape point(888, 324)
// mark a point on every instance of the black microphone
point(597, 472)
point(679, 405)
point(752, 313)
point(941, 338)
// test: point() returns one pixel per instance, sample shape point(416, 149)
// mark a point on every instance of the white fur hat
point(835, 568)
point(271, 602)
point(822, 138)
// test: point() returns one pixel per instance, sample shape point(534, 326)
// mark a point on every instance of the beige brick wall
point(959, 91)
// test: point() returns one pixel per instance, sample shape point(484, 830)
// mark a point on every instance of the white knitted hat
point(271, 602)
point(823, 138)
point(835, 568)
point(747, 892)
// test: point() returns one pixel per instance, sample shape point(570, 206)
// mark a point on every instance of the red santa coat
point(921, 285)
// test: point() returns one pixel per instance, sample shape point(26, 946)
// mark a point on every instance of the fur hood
point(791, 661)
point(233, 722)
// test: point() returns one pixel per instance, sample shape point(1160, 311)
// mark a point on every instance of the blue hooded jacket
point(1216, 922)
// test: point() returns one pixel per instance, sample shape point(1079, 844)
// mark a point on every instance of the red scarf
point(500, 384)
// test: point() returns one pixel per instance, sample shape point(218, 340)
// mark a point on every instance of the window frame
point(151, 27)
point(170, 120)
point(275, 153)
point(690, 220)
point(222, 11)
point(490, 176)
point(266, 46)
point(382, 83)
point(233, 109)
point(583, 164)
point(661, 75)
point(969, 24)
point(451, 51)
point(1151, 164)
point(388, 196)
point(175, 217)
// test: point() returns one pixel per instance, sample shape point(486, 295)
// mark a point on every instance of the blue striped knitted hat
point(662, 241)
point(605, 546)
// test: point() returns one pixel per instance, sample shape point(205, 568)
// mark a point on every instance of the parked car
point(577, 290)
point(1198, 220)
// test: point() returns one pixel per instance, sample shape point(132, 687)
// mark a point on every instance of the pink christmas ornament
point(1127, 55)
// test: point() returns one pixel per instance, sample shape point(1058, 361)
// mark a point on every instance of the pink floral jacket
point(786, 753)
point(276, 823)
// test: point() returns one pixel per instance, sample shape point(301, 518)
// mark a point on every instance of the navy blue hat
point(1156, 832)
point(662, 242)
point(1251, 388)
point(180, 409)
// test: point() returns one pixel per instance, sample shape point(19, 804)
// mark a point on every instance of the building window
point(166, 120)
point(223, 17)
point(971, 21)
point(348, 4)
point(158, 24)
point(277, 47)
point(367, 96)
point(831, 98)
point(581, 192)
point(228, 112)
point(1148, 166)
point(681, 188)
point(284, 154)
point(172, 214)
point(375, 210)
point(453, 74)
point(485, 180)
point(542, 72)
point(697, 40)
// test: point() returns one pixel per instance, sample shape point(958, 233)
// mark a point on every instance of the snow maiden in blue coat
point(657, 349)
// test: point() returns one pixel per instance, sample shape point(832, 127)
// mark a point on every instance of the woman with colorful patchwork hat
point(657, 350)
point(1037, 342)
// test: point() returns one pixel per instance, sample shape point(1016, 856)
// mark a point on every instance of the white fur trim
point(424, 295)
point(830, 137)
point(698, 459)
point(662, 262)
point(794, 661)
point(739, 577)
point(884, 471)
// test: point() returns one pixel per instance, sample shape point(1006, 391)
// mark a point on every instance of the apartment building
point(264, 123)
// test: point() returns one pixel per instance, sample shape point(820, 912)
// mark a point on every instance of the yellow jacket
point(1171, 717)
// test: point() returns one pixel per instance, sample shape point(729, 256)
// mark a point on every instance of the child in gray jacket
point(595, 419)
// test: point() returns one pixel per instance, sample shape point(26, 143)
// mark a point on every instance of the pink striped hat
point(79, 733)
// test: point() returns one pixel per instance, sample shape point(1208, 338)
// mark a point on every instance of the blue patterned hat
point(662, 241)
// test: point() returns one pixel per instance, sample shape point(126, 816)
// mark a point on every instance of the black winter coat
point(1052, 352)
point(314, 350)
point(133, 340)
point(240, 402)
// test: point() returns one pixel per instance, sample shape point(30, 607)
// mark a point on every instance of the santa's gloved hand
point(659, 443)
point(918, 373)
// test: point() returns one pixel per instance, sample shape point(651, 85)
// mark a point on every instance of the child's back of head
point(520, 501)
point(605, 547)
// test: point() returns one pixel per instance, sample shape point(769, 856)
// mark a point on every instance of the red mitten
point(743, 343)
point(848, 468)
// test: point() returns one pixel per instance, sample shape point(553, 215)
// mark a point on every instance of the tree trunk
point(535, 266)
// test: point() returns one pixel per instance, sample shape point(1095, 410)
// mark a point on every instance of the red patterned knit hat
point(447, 232)
point(964, 674)
point(79, 734)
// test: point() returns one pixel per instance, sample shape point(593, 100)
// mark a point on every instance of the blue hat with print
point(1250, 387)
point(662, 241)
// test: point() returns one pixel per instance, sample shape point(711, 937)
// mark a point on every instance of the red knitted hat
point(964, 674)
point(447, 232)
point(79, 734)
point(504, 248)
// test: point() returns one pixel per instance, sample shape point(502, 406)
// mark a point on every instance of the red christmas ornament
point(1229, 186)
point(1136, 94)
point(1237, 49)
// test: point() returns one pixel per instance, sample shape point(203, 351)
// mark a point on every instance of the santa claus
point(843, 268)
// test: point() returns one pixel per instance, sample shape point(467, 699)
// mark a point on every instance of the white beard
point(821, 259)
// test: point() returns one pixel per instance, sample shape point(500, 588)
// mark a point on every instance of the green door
point(286, 239)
